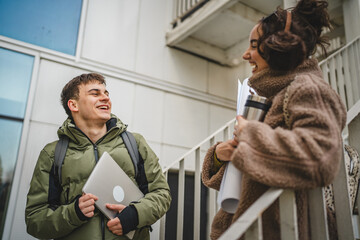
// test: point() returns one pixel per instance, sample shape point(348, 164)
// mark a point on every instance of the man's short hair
point(71, 89)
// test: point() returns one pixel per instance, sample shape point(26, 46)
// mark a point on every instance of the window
point(15, 76)
point(47, 23)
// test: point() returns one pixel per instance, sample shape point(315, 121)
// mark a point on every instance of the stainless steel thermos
point(256, 108)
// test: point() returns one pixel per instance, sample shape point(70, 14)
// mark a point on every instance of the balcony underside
point(219, 29)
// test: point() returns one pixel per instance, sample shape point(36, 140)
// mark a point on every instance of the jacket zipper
point(96, 153)
point(102, 227)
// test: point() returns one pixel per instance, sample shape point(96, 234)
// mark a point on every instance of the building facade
point(171, 93)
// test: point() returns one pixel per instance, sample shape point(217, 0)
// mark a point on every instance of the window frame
point(23, 137)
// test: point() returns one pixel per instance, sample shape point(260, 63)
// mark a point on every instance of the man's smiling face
point(94, 103)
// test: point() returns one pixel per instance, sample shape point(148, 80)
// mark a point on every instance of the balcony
point(218, 30)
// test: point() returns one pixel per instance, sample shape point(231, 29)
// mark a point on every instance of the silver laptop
point(111, 185)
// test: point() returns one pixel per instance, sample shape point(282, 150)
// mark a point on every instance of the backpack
point(131, 146)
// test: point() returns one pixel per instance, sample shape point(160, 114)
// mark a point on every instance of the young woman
point(298, 145)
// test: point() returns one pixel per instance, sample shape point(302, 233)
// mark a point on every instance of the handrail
point(245, 221)
point(228, 124)
point(339, 50)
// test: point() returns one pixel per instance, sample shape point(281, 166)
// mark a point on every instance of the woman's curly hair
point(285, 50)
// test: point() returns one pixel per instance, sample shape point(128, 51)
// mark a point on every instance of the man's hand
point(225, 149)
point(114, 224)
point(86, 204)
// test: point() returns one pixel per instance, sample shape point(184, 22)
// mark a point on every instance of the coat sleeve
point(157, 201)
point(43, 220)
point(210, 178)
point(306, 156)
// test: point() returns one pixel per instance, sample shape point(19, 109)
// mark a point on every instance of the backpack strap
point(137, 160)
point(60, 152)
point(132, 148)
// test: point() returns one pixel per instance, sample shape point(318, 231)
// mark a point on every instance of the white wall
point(128, 37)
point(351, 11)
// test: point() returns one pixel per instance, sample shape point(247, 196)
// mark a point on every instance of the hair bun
point(314, 12)
point(284, 45)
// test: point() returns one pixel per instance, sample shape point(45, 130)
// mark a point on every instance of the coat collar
point(268, 83)
point(114, 127)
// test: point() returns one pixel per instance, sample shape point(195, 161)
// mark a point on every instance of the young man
point(63, 212)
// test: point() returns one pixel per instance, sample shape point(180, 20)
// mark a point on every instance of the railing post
point(212, 209)
point(332, 70)
point(197, 195)
point(342, 204)
point(226, 133)
point(354, 71)
point(163, 219)
point(255, 231)
point(181, 197)
point(325, 70)
point(288, 216)
point(340, 75)
point(348, 82)
point(318, 215)
point(357, 62)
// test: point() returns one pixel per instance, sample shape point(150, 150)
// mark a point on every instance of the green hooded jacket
point(44, 220)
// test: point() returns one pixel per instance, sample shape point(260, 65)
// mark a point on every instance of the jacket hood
point(114, 127)
point(268, 83)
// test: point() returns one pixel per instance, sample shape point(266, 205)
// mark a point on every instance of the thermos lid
point(257, 98)
point(255, 101)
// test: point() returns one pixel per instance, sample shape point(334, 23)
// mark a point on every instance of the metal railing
point(341, 70)
point(193, 155)
point(249, 223)
point(184, 9)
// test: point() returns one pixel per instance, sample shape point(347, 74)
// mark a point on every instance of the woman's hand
point(241, 124)
point(225, 149)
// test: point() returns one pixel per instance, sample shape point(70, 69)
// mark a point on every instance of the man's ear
point(72, 104)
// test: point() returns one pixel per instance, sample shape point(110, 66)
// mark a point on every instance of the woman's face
point(252, 55)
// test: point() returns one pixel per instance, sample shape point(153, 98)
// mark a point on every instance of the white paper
point(230, 188)
point(243, 93)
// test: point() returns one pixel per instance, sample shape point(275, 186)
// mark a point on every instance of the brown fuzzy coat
point(305, 156)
